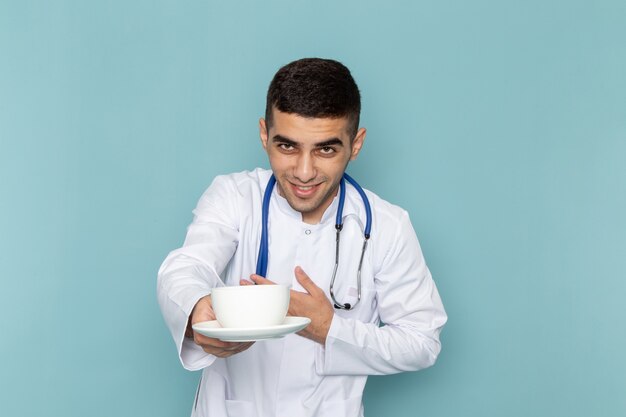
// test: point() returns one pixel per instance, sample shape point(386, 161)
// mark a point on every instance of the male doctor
point(310, 133)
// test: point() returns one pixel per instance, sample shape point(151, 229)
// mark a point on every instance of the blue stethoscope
point(261, 266)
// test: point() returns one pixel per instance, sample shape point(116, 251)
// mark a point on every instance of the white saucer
point(229, 334)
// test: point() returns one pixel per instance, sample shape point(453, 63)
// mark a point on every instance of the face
point(308, 157)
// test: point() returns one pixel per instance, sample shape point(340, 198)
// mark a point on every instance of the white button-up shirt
point(394, 328)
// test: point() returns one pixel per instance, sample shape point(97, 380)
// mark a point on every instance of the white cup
point(250, 306)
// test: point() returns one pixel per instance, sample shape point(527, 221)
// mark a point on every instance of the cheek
point(278, 161)
point(336, 166)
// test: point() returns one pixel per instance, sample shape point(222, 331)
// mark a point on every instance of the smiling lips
point(304, 191)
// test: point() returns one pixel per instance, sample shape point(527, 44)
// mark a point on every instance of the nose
point(305, 169)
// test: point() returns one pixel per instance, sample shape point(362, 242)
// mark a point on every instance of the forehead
point(305, 129)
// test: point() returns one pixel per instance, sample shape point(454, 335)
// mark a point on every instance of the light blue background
point(500, 127)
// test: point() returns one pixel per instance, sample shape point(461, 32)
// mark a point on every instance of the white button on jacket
point(294, 376)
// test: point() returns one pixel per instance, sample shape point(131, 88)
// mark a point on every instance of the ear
point(357, 143)
point(263, 132)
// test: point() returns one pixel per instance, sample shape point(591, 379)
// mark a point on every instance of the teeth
point(305, 188)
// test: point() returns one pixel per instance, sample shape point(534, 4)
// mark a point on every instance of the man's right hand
point(203, 311)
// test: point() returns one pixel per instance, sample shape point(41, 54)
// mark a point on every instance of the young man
point(310, 133)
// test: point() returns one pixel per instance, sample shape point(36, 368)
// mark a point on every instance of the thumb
point(258, 279)
point(203, 310)
point(306, 282)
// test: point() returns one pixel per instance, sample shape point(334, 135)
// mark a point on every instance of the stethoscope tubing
point(261, 266)
point(366, 203)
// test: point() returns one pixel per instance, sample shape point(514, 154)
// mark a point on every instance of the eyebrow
point(323, 144)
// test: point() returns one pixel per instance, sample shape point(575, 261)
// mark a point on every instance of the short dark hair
point(315, 87)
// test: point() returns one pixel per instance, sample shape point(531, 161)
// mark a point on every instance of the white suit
point(294, 376)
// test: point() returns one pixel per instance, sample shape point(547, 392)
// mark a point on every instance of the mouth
point(303, 191)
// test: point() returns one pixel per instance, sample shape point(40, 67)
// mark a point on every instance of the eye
point(285, 147)
point(327, 150)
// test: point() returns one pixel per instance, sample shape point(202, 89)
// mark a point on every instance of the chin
point(303, 208)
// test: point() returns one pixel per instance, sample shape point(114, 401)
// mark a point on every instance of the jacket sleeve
point(189, 273)
point(408, 304)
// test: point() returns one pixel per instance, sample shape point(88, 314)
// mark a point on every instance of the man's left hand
point(312, 304)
